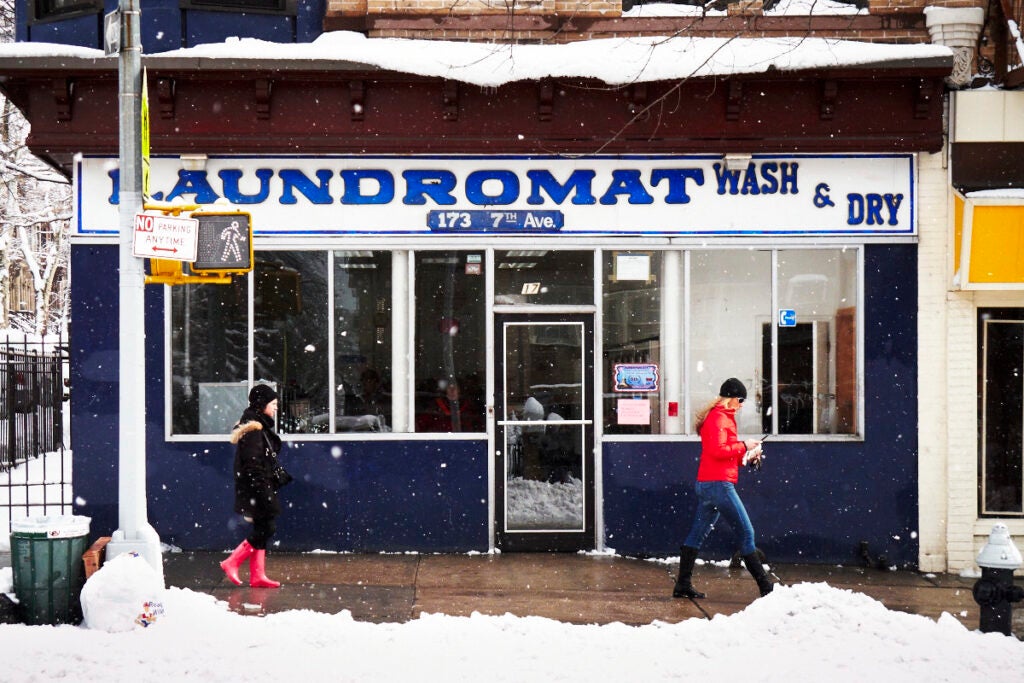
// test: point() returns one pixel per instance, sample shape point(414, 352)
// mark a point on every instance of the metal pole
point(134, 533)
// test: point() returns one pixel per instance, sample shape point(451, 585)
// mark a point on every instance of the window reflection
point(209, 357)
point(632, 337)
point(362, 341)
point(290, 335)
point(450, 333)
point(544, 277)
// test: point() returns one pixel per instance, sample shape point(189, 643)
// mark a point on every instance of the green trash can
point(46, 556)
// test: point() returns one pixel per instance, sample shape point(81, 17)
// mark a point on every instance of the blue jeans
point(715, 498)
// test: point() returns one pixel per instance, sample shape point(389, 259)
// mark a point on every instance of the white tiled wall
point(951, 532)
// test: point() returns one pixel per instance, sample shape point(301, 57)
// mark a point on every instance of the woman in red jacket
point(721, 455)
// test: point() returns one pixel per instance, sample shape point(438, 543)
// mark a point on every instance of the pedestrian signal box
point(224, 243)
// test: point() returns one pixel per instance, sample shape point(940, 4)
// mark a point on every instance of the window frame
point(986, 315)
point(42, 11)
point(286, 8)
point(489, 248)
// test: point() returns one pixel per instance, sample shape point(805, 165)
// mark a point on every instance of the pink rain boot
point(235, 560)
point(257, 571)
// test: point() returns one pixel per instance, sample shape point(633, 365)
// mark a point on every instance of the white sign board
point(112, 34)
point(165, 237)
point(670, 195)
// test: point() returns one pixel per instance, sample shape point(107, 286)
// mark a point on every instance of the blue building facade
point(411, 247)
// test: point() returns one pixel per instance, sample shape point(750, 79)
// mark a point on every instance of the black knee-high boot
point(684, 588)
point(756, 569)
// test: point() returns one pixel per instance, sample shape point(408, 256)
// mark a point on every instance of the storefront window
point(730, 304)
point(290, 335)
point(633, 370)
point(321, 333)
point(816, 355)
point(362, 340)
point(450, 329)
point(544, 277)
point(209, 357)
point(1001, 406)
point(814, 348)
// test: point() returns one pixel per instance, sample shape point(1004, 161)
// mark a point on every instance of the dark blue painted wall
point(811, 502)
point(348, 496)
point(165, 26)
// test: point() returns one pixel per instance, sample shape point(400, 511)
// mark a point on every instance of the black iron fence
point(35, 469)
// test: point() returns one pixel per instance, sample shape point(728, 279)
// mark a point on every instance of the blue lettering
point(789, 178)
point(193, 182)
point(230, 179)
point(115, 186)
point(856, 210)
point(727, 177)
point(438, 185)
point(771, 183)
point(353, 189)
point(627, 182)
point(580, 181)
point(893, 203)
point(295, 179)
point(475, 187)
point(874, 212)
point(677, 178)
point(750, 185)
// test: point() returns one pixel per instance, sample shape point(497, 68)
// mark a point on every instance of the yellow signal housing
point(223, 249)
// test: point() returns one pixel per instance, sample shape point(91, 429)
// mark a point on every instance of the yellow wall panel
point(997, 244)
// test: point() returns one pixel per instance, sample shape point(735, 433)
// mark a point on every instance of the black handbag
point(279, 477)
point(278, 474)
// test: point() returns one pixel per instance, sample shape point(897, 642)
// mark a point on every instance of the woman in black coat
point(255, 494)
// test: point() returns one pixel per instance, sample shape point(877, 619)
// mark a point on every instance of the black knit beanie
point(733, 388)
point(261, 395)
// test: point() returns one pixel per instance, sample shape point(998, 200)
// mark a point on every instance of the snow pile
point(785, 8)
point(6, 580)
point(803, 632)
point(125, 594)
point(1002, 193)
point(544, 505)
point(615, 61)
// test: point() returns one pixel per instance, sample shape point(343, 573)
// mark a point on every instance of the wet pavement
point(574, 588)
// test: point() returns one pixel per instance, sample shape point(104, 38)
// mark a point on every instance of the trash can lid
point(52, 526)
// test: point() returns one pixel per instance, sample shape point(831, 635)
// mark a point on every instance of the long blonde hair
point(702, 414)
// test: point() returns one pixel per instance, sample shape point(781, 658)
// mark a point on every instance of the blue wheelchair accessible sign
point(787, 317)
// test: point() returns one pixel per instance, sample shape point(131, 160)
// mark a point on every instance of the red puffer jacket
point(720, 451)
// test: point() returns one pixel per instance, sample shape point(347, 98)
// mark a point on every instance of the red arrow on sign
point(173, 251)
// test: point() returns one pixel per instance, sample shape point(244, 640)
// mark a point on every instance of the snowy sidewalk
point(573, 588)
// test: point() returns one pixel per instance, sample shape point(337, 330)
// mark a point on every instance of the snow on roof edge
point(616, 61)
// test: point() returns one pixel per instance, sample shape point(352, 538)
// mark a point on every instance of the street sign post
point(165, 237)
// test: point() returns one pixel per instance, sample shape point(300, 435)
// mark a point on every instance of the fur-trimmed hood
point(243, 428)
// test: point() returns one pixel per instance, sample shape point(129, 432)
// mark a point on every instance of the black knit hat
point(261, 395)
point(733, 388)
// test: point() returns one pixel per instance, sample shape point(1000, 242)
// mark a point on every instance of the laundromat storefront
point(478, 352)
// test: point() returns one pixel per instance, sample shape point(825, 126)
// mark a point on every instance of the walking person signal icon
point(224, 244)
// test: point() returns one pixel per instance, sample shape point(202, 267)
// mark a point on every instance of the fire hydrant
point(995, 591)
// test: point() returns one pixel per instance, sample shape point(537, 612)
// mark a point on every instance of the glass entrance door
point(544, 436)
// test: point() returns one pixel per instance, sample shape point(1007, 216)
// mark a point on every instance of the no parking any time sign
point(165, 237)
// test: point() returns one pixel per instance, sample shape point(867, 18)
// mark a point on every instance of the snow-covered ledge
point(957, 28)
